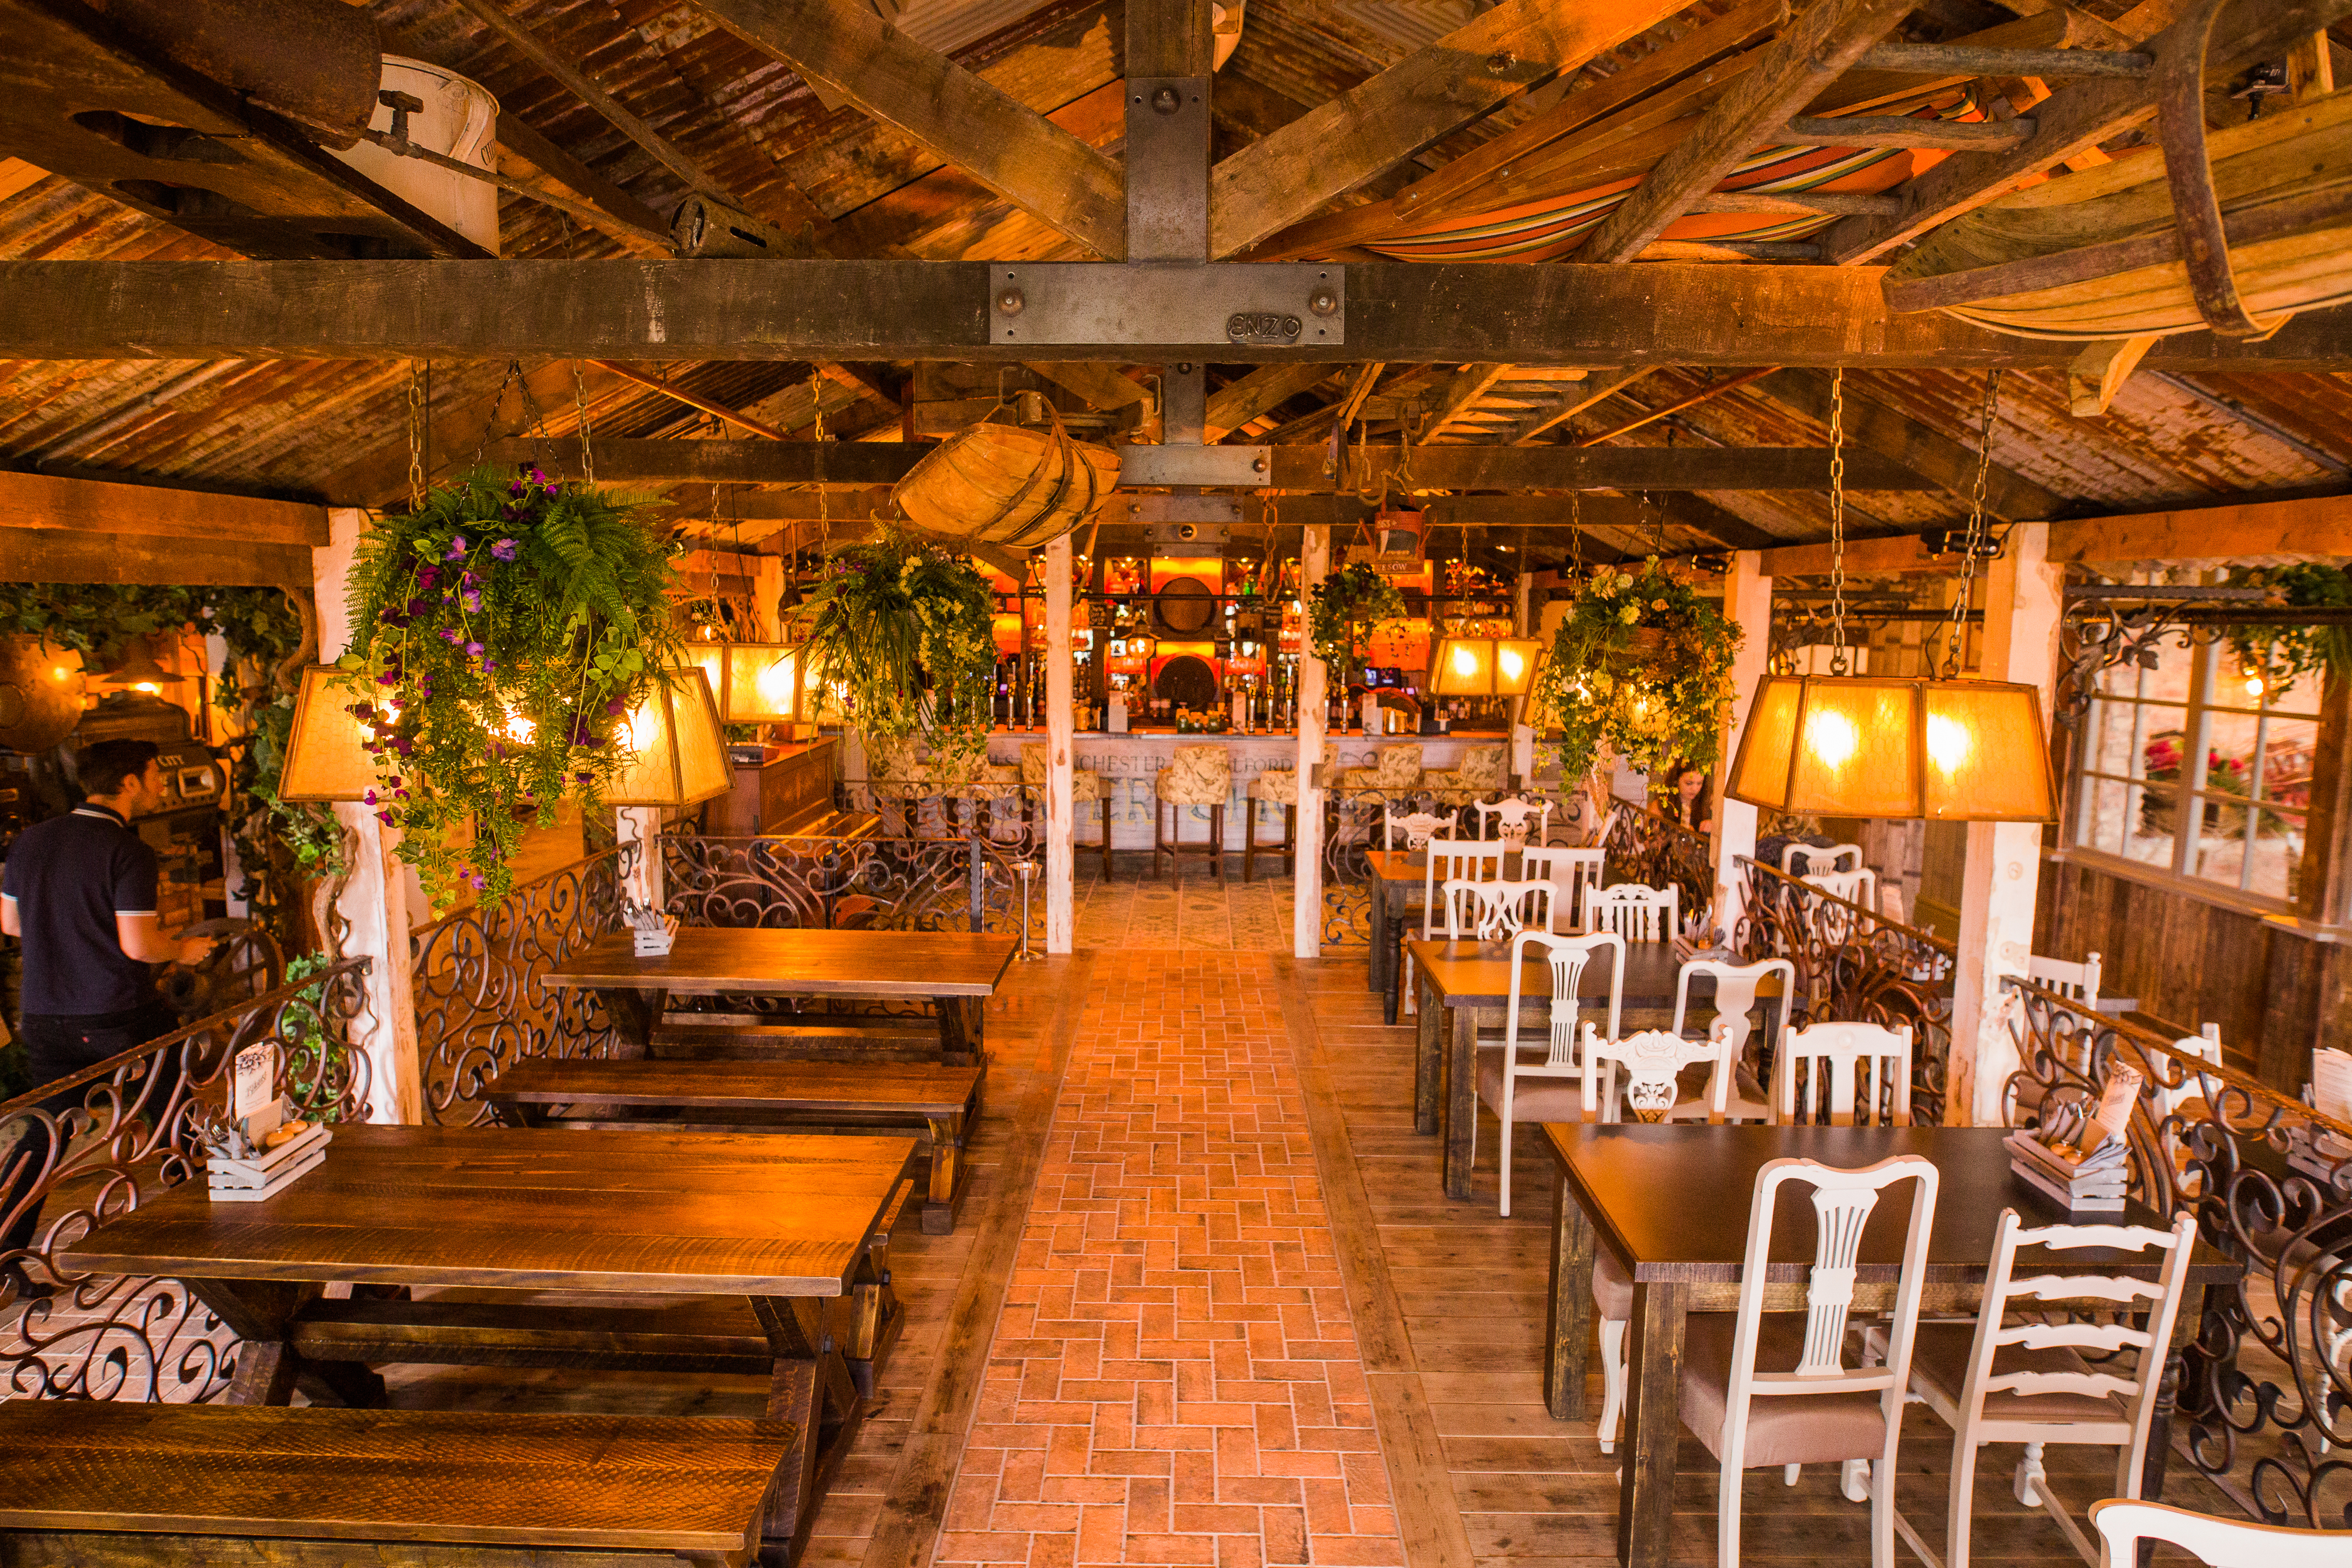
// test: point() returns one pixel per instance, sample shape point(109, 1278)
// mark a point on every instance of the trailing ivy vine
point(1352, 600)
point(2280, 654)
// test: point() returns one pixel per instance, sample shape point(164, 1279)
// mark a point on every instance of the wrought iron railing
point(967, 883)
point(480, 983)
point(1853, 964)
point(2265, 1396)
point(80, 1150)
point(1646, 847)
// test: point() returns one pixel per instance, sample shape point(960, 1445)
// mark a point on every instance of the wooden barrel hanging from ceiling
point(1008, 485)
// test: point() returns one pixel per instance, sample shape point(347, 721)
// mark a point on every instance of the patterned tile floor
point(1175, 1377)
point(1136, 909)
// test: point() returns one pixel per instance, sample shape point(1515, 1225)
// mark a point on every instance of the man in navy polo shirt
point(79, 892)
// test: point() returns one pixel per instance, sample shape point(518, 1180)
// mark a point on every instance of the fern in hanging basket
point(2280, 654)
point(1640, 666)
point(501, 635)
point(908, 632)
point(1344, 608)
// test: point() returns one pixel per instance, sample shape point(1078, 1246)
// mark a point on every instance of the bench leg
point(947, 1174)
point(962, 1028)
point(260, 1313)
point(810, 1387)
point(634, 1015)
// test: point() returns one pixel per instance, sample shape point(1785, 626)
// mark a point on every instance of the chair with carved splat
point(1552, 1095)
point(2124, 1527)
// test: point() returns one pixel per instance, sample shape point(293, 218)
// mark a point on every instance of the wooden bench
point(728, 1095)
point(713, 1334)
point(800, 1037)
point(123, 1483)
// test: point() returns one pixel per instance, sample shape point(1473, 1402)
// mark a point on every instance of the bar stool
point(1086, 785)
point(1277, 787)
point(1197, 776)
point(1395, 773)
point(1484, 771)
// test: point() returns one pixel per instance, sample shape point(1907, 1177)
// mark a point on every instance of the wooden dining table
point(1458, 981)
point(1670, 1204)
point(760, 1234)
point(954, 971)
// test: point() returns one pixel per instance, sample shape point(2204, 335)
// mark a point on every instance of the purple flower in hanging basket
point(505, 549)
point(471, 599)
point(404, 744)
point(448, 633)
point(478, 880)
point(617, 708)
point(387, 819)
point(582, 777)
point(473, 650)
point(458, 548)
point(429, 576)
point(388, 678)
point(368, 799)
point(416, 607)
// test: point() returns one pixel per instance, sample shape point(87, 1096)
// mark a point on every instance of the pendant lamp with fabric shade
point(754, 683)
point(1939, 748)
point(1485, 666)
point(326, 749)
point(680, 751)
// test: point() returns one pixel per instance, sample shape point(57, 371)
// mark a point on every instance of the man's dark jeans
point(61, 1046)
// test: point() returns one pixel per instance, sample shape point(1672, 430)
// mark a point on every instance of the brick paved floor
point(1175, 1377)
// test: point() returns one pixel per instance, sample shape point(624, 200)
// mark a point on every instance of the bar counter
point(1130, 764)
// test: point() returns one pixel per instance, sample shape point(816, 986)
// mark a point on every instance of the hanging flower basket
point(503, 633)
point(907, 630)
point(1342, 611)
point(1642, 667)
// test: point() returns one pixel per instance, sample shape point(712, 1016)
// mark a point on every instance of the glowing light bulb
point(1465, 661)
point(1514, 665)
point(148, 686)
point(1831, 738)
point(2253, 685)
point(776, 685)
point(1948, 742)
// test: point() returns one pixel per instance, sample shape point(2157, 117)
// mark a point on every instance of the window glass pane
point(2147, 831)
point(2263, 862)
point(2163, 743)
point(2288, 746)
point(2103, 826)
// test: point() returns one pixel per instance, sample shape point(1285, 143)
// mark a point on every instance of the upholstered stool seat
point(1484, 771)
point(1278, 787)
point(1196, 776)
point(1087, 788)
point(1396, 774)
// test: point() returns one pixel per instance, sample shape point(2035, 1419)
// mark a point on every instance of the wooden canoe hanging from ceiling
point(1008, 485)
point(2235, 231)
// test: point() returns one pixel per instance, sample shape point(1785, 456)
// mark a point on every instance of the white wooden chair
point(1821, 858)
point(1496, 911)
point(1416, 827)
point(1637, 912)
point(2124, 1525)
point(1736, 988)
point(1849, 1067)
point(1835, 922)
point(1570, 872)
point(1470, 860)
point(2018, 1377)
point(1748, 1377)
point(1510, 818)
point(1553, 1096)
point(2078, 983)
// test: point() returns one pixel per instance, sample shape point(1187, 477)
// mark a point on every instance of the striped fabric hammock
point(1549, 228)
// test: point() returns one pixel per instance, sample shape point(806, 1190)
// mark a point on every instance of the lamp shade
point(325, 755)
point(1486, 667)
point(680, 752)
point(1859, 746)
point(762, 684)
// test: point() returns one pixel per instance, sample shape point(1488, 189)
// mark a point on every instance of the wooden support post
point(1307, 911)
point(1747, 604)
point(1060, 902)
point(1522, 735)
point(2004, 859)
point(641, 826)
point(376, 900)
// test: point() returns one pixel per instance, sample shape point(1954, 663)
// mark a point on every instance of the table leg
point(810, 1387)
point(635, 1014)
point(1376, 965)
point(260, 1313)
point(1568, 1324)
point(947, 1173)
point(962, 1026)
point(2185, 1329)
point(1653, 1425)
point(1428, 1051)
point(1461, 1101)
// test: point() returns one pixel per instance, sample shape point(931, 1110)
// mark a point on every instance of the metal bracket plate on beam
point(1216, 467)
point(1220, 509)
point(1203, 304)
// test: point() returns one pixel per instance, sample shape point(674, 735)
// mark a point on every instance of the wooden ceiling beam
point(1469, 385)
point(1807, 56)
point(1014, 150)
point(1422, 98)
point(49, 503)
point(1599, 388)
point(1918, 447)
point(1257, 394)
point(2071, 122)
point(1096, 381)
point(648, 311)
point(625, 218)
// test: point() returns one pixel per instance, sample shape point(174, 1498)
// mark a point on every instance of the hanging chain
point(1975, 542)
point(491, 421)
point(1576, 529)
point(1837, 663)
point(580, 404)
point(1658, 518)
point(415, 436)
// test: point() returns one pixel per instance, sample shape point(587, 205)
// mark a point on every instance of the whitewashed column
point(1307, 911)
point(641, 826)
point(1522, 735)
point(2003, 872)
point(1060, 897)
point(376, 898)
point(1747, 604)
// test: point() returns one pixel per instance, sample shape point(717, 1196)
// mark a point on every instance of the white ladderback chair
point(2078, 983)
point(2124, 1526)
point(1641, 1072)
point(1634, 912)
point(1516, 820)
point(1447, 859)
point(2020, 1374)
point(1851, 1068)
point(2203, 1046)
point(1737, 987)
point(1553, 1095)
point(1571, 872)
point(1821, 858)
point(1416, 828)
point(1494, 911)
point(1835, 922)
point(1749, 1377)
